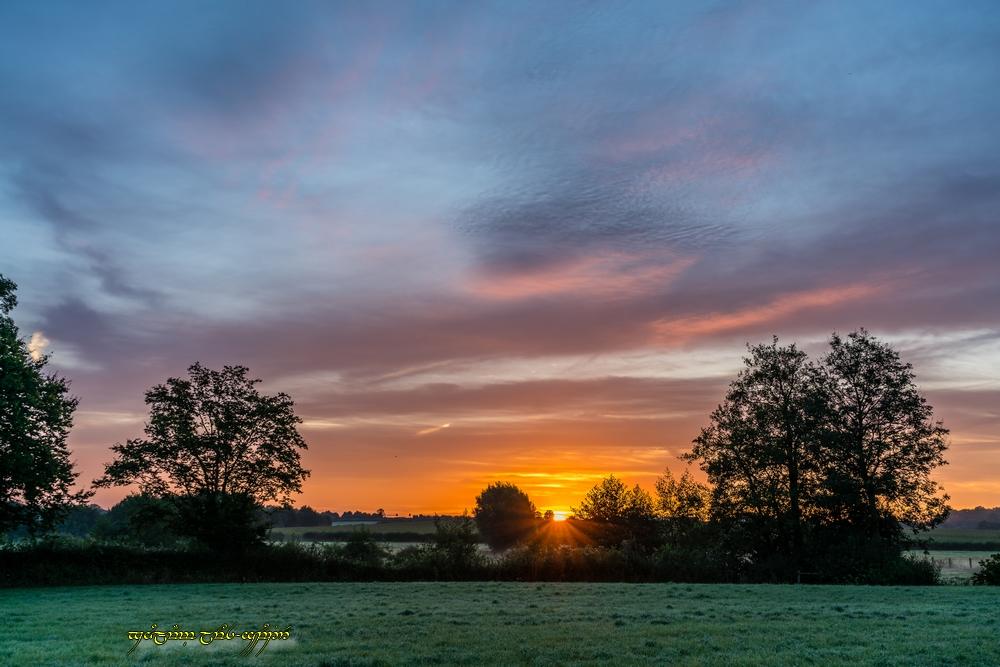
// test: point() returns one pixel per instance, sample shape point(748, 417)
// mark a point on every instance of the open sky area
point(500, 240)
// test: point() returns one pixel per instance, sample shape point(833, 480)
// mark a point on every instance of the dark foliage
point(81, 520)
point(290, 517)
point(342, 535)
point(139, 520)
point(817, 468)
point(618, 513)
point(36, 413)
point(68, 561)
point(989, 575)
point(217, 449)
point(504, 515)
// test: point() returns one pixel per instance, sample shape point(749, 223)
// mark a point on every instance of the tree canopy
point(504, 515)
point(760, 448)
point(612, 501)
point(881, 441)
point(682, 498)
point(617, 511)
point(809, 457)
point(216, 447)
point(36, 413)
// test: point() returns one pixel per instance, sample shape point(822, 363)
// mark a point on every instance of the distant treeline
point(95, 521)
point(980, 518)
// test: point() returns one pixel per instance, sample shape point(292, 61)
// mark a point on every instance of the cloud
point(770, 313)
point(37, 345)
point(600, 275)
point(433, 429)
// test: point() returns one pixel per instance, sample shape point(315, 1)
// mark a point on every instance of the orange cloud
point(776, 309)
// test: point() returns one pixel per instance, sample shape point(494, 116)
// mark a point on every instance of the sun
point(560, 515)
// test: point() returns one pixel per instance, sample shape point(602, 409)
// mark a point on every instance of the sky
point(500, 241)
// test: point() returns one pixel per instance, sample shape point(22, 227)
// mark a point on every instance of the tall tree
point(217, 449)
point(760, 448)
point(882, 442)
point(618, 512)
point(504, 515)
point(36, 413)
point(682, 499)
point(612, 501)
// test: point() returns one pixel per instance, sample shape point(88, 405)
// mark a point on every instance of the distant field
point(421, 526)
point(510, 623)
point(952, 538)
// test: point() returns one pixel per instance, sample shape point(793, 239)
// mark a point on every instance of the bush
point(565, 563)
point(989, 575)
point(362, 549)
point(453, 556)
point(686, 564)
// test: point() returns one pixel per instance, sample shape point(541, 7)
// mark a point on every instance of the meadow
point(947, 537)
point(511, 623)
point(414, 529)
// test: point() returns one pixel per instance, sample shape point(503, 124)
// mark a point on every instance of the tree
point(455, 547)
point(611, 501)
point(36, 414)
point(139, 519)
point(620, 512)
point(217, 449)
point(81, 520)
point(683, 499)
point(759, 449)
point(504, 515)
point(823, 462)
point(880, 443)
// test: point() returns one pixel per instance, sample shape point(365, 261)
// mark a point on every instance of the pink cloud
point(777, 308)
point(604, 275)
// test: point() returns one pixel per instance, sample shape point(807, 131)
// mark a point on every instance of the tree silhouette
point(825, 460)
point(36, 413)
point(139, 519)
point(618, 511)
point(504, 515)
point(217, 449)
point(612, 501)
point(683, 498)
point(881, 441)
point(760, 449)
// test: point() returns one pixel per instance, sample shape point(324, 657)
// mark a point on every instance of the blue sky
point(552, 226)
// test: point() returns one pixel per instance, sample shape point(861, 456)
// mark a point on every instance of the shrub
point(687, 564)
point(361, 548)
point(989, 575)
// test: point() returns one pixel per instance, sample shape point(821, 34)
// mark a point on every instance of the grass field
point(421, 526)
point(970, 536)
point(504, 623)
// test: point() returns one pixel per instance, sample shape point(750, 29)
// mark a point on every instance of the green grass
point(510, 623)
point(970, 536)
